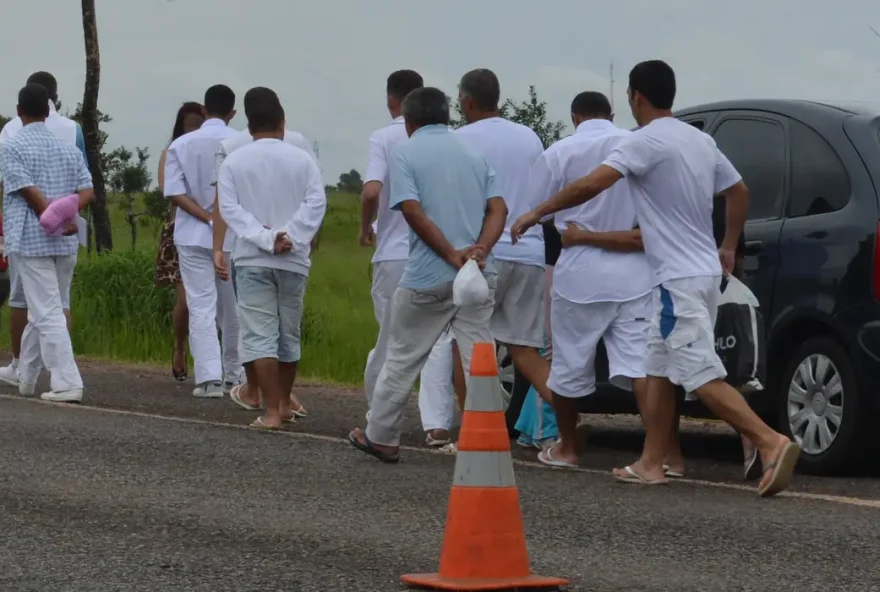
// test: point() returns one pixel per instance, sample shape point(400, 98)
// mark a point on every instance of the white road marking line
point(836, 499)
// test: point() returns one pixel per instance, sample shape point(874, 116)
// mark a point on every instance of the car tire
point(810, 418)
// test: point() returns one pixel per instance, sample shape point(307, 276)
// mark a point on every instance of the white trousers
point(46, 341)
point(436, 394)
point(211, 303)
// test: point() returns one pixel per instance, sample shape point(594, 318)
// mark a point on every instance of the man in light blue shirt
point(70, 132)
point(448, 196)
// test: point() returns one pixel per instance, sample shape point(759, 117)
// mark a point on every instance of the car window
point(756, 147)
point(697, 123)
point(819, 181)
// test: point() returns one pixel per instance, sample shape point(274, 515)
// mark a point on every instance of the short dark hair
point(263, 110)
point(47, 81)
point(426, 106)
point(654, 80)
point(483, 87)
point(33, 100)
point(219, 100)
point(403, 82)
point(591, 104)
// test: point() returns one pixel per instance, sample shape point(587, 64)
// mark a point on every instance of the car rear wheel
point(820, 407)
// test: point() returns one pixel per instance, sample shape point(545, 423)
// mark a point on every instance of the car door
point(756, 143)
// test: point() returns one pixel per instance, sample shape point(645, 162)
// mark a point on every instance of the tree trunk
point(103, 236)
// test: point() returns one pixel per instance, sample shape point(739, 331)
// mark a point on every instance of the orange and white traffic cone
point(484, 546)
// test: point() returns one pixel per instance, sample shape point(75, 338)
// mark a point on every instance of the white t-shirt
point(680, 170)
point(511, 150)
point(392, 231)
point(189, 168)
point(271, 183)
point(585, 274)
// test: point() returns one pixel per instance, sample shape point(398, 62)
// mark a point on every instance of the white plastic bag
point(470, 287)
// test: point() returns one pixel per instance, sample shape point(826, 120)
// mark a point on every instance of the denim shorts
point(270, 310)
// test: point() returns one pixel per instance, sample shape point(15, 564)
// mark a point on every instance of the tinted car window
point(819, 181)
point(757, 150)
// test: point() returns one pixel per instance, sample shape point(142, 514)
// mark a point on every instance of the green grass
point(119, 314)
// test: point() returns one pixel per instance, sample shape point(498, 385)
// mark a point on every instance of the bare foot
point(267, 422)
point(437, 438)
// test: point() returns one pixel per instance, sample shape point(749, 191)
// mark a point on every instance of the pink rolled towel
point(60, 211)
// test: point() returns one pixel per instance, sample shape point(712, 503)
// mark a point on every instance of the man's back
point(35, 156)
point(392, 232)
point(272, 179)
point(511, 150)
point(586, 273)
point(679, 169)
point(189, 170)
point(452, 183)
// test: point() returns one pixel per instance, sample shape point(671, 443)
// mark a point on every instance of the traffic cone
point(484, 545)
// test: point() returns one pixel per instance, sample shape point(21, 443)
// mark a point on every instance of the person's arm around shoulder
point(243, 223)
point(631, 157)
point(730, 185)
point(405, 198)
point(377, 172)
point(174, 187)
point(620, 240)
point(304, 226)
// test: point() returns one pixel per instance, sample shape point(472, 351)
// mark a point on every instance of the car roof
point(842, 109)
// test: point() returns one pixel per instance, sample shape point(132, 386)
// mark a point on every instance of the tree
point(131, 179)
point(350, 182)
point(90, 126)
point(530, 113)
point(4, 120)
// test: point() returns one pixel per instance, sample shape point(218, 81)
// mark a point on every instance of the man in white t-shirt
point(66, 130)
point(601, 282)
point(391, 239)
point(679, 169)
point(189, 168)
point(247, 394)
point(511, 150)
point(272, 197)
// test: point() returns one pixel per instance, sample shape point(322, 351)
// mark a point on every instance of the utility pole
point(611, 81)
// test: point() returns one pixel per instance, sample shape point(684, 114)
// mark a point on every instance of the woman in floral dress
point(189, 118)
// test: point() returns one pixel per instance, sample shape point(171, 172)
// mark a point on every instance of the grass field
point(119, 314)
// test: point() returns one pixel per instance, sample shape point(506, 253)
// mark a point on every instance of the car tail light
point(877, 263)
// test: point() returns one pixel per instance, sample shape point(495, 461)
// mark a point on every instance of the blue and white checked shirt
point(35, 157)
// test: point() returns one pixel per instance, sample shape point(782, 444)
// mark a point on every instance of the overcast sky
point(328, 59)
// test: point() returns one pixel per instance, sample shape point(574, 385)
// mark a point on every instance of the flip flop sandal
point(434, 442)
point(301, 412)
point(235, 395)
point(783, 469)
point(450, 448)
point(367, 447)
point(751, 467)
point(546, 457)
point(633, 477)
point(259, 424)
point(291, 419)
point(672, 474)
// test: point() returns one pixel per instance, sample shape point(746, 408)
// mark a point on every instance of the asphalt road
point(145, 488)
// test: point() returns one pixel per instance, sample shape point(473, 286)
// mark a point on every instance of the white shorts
point(577, 329)
point(681, 341)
